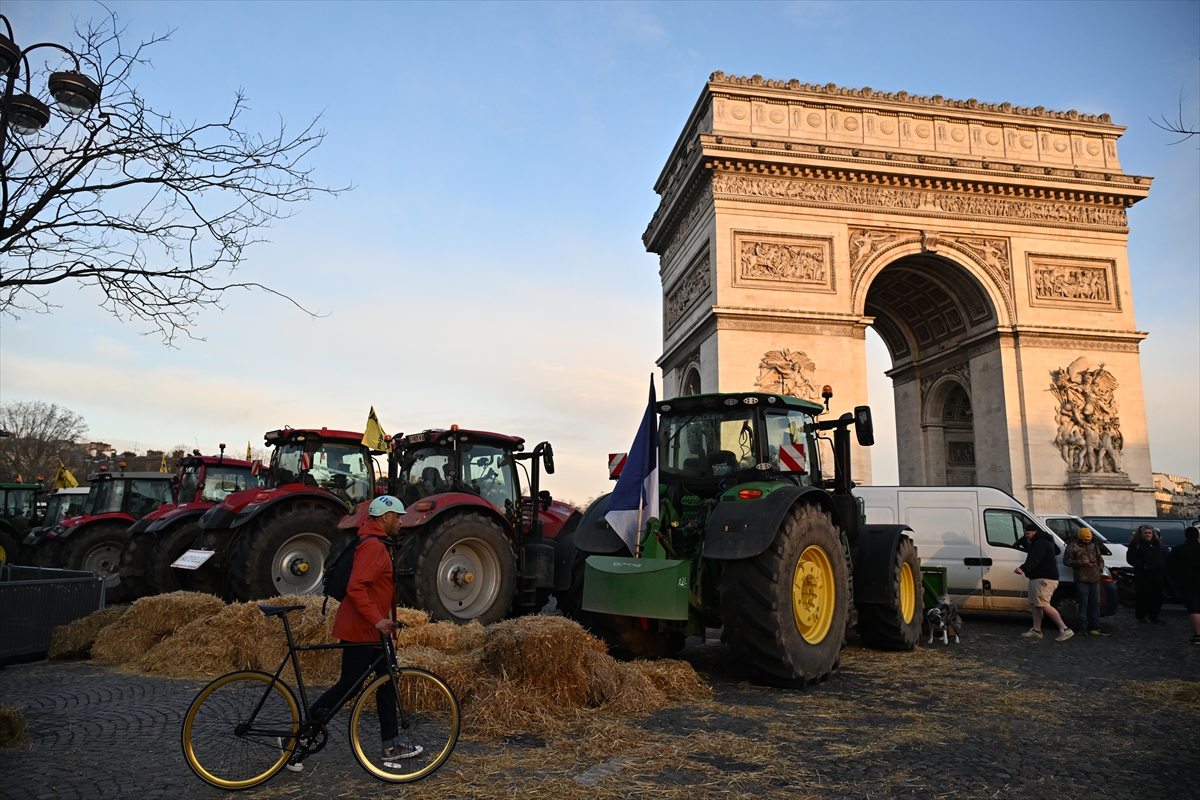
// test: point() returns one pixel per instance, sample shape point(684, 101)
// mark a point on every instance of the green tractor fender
point(874, 562)
point(744, 528)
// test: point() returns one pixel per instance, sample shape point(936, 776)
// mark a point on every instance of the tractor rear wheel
point(463, 569)
point(132, 564)
point(97, 549)
point(784, 610)
point(168, 546)
point(285, 553)
point(896, 625)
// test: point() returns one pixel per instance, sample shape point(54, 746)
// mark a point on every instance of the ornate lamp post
point(75, 93)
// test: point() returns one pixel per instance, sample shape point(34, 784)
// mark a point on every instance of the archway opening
point(933, 317)
point(691, 382)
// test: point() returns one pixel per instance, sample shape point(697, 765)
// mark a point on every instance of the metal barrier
point(34, 601)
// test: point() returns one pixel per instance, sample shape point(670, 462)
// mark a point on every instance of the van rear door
point(947, 535)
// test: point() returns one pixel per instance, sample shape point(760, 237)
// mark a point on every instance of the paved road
point(996, 716)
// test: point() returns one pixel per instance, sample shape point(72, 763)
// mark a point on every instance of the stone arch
point(948, 432)
point(994, 281)
point(691, 383)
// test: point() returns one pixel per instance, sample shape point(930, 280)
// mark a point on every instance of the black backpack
point(337, 571)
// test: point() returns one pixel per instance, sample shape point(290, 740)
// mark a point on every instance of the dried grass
point(149, 621)
point(12, 727)
point(444, 636)
point(677, 679)
point(75, 639)
point(1184, 693)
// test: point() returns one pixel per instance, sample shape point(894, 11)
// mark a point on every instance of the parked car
point(1115, 553)
point(977, 534)
point(1120, 529)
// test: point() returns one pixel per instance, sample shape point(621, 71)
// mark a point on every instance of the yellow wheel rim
point(814, 594)
point(908, 593)
point(3, 554)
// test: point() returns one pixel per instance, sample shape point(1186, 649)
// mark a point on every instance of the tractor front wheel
point(896, 625)
point(463, 569)
point(785, 610)
point(98, 549)
point(168, 546)
point(285, 553)
point(132, 564)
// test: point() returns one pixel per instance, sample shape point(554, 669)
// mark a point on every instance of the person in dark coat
point(1183, 565)
point(1149, 572)
point(1041, 568)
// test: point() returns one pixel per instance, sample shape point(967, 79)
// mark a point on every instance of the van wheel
point(896, 625)
point(1066, 603)
point(785, 610)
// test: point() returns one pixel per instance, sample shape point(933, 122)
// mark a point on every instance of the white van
point(1065, 527)
point(978, 534)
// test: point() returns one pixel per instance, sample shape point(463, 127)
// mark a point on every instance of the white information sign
point(193, 559)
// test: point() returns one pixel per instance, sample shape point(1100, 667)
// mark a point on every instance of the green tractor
point(18, 513)
point(749, 538)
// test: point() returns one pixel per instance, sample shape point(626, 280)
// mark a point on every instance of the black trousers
point(1148, 586)
point(355, 661)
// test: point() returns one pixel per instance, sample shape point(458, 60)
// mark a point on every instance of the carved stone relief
point(917, 201)
point(1072, 281)
point(865, 244)
point(695, 284)
point(701, 204)
point(789, 372)
point(798, 263)
point(1089, 430)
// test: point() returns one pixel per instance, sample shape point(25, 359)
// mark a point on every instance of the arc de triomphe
point(986, 244)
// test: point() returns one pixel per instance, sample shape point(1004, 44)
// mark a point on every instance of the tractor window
point(147, 495)
point(18, 504)
point(791, 431)
point(488, 472)
point(427, 471)
point(60, 506)
point(220, 482)
point(109, 496)
point(343, 470)
point(189, 484)
point(707, 445)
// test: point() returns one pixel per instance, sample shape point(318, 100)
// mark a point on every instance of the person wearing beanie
point(1183, 563)
point(1083, 554)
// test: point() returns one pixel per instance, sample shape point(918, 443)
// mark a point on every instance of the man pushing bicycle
point(367, 612)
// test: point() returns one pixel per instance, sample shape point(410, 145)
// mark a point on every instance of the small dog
point(943, 618)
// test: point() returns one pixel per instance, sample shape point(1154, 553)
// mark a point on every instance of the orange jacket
point(370, 595)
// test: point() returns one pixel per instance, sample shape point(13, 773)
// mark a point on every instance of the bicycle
point(243, 727)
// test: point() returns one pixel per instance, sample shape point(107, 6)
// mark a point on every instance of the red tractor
point(472, 547)
point(276, 539)
point(93, 540)
point(160, 537)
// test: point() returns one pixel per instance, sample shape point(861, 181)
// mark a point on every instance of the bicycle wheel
point(240, 729)
point(428, 719)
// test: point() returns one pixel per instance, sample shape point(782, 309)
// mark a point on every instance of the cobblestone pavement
point(997, 716)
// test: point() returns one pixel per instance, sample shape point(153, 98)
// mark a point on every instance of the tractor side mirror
point(864, 428)
point(548, 457)
point(544, 499)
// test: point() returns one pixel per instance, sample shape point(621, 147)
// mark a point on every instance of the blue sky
point(503, 157)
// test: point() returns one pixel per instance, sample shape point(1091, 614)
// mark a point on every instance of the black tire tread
point(422, 554)
point(249, 569)
point(132, 566)
point(881, 626)
point(77, 547)
point(168, 545)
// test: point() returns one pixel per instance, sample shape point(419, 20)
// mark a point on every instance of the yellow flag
point(64, 479)
point(374, 437)
point(249, 456)
point(163, 466)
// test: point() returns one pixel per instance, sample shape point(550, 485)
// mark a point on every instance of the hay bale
point(676, 679)
point(461, 670)
point(12, 727)
point(149, 621)
point(636, 695)
point(411, 617)
point(444, 636)
point(544, 654)
point(75, 639)
point(241, 637)
point(502, 708)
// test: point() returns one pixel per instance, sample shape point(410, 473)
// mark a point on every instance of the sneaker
point(1195, 639)
point(399, 751)
point(1098, 632)
point(296, 762)
point(1032, 634)
point(1064, 634)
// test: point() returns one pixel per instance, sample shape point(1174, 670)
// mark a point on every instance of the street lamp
point(75, 93)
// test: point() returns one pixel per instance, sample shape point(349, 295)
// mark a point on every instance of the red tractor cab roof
point(304, 434)
point(440, 436)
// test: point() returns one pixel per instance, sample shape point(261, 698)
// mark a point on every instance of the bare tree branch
point(1184, 129)
point(154, 211)
point(36, 431)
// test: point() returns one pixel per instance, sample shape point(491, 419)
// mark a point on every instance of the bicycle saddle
point(276, 611)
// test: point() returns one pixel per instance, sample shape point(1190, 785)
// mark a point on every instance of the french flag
point(635, 498)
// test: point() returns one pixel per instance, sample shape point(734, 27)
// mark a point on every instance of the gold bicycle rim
point(356, 744)
point(190, 753)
